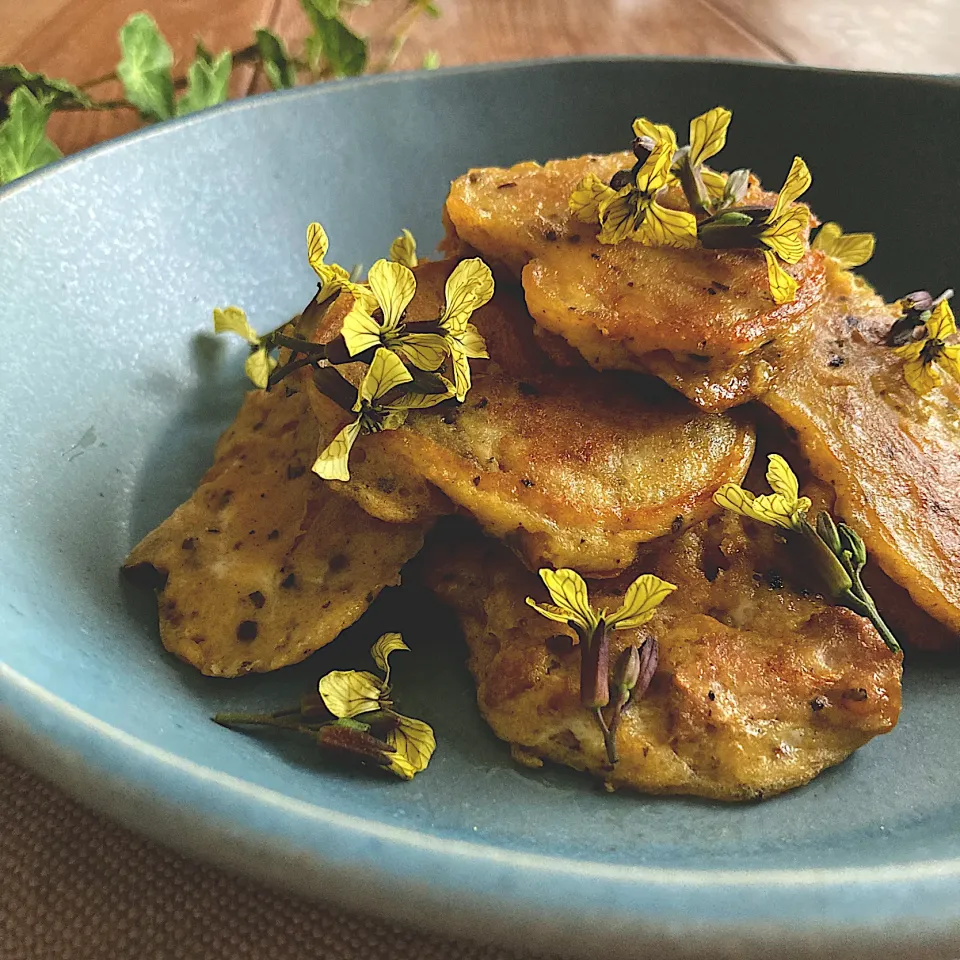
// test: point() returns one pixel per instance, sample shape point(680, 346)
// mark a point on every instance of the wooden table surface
point(76, 39)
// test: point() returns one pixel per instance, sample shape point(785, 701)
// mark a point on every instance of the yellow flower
point(259, 365)
point(848, 249)
point(393, 286)
point(922, 357)
point(468, 288)
point(633, 212)
point(385, 373)
point(333, 278)
point(783, 232)
point(784, 508)
point(404, 249)
point(708, 136)
point(353, 693)
point(571, 603)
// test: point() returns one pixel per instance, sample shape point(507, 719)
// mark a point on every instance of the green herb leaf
point(334, 41)
point(431, 60)
point(328, 9)
point(24, 145)
point(57, 93)
point(145, 67)
point(277, 65)
point(429, 8)
point(208, 81)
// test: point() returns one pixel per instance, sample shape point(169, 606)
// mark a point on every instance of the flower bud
point(853, 544)
point(626, 671)
point(827, 531)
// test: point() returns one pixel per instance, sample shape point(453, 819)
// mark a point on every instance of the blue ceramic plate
point(109, 264)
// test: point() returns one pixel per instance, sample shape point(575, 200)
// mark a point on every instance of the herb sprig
point(332, 49)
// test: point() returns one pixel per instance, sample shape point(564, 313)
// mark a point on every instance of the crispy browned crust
point(568, 466)
point(265, 564)
point(759, 688)
point(892, 457)
point(701, 319)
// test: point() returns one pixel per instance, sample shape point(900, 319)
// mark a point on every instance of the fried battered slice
point(265, 564)
point(703, 320)
point(566, 465)
point(758, 690)
point(892, 457)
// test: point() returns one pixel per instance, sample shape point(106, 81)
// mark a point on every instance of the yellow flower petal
point(317, 246)
point(658, 132)
point(911, 350)
point(941, 324)
point(798, 182)
point(360, 331)
point(663, 227)
point(785, 236)
point(384, 373)
point(404, 249)
point(426, 351)
point(422, 401)
point(415, 743)
point(715, 183)
point(782, 285)
point(393, 285)
point(568, 591)
point(618, 216)
point(462, 380)
point(655, 172)
point(921, 377)
point(849, 249)
point(234, 320)
point(333, 279)
point(950, 361)
point(585, 200)
point(332, 460)
point(348, 693)
point(473, 344)
point(258, 367)
point(549, 611)
point(782, 479)
point(381, 650)
point(708, 134)
point(643, 596)
point(468, 288)
point(778, 511)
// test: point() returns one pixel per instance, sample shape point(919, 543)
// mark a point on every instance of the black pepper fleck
point(481, 404)
point(273, 534)
point(339, 561)
point(189, 543)
point(295, 470)
point(505, 186)
point(836, 361)
point(247, 631)
point(528, 389)
point(550, 235)
point(257, 599)
point(289, 581)
point(818, 703)
point(527, 483)
point(676, 524)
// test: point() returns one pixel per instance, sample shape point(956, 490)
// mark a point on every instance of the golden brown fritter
point(759, 688)
point(265, 564)
point(703, 320)
point(892, 457)
point(566, 465)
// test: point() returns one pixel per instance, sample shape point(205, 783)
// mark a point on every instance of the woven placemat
point(76, 886)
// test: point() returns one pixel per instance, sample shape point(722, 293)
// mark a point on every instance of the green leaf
point(430, 8)
point(24, 145)
point(328, 9)
point(57, 93)
point(145, 68)
point(208, 81)
point(431, 60)
point(332, 39)
point(277, 65)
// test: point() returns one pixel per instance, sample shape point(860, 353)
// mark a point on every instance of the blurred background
point(77, 39)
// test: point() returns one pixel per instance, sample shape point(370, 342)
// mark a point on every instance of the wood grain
point(77, 38)
point(911, 36)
